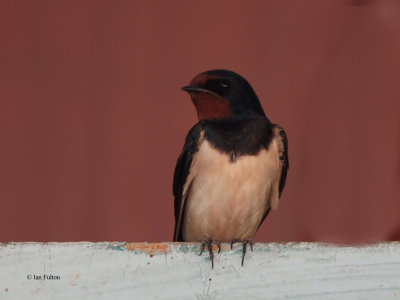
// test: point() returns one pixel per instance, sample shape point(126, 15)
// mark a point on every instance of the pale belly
point(227, 200)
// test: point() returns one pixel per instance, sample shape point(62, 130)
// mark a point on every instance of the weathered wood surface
point(176, 271)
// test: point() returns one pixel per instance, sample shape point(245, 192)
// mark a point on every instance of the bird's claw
point(208, 241)
point(245, 242)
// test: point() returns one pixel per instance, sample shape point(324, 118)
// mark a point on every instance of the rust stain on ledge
point(151, 249)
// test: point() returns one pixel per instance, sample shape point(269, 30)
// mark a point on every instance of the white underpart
point(227, 200)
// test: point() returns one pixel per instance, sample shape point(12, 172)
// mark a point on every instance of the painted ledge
point(176, 271)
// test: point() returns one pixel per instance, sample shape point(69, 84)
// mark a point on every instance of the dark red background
point(92, 118)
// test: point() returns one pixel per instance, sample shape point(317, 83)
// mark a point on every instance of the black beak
point(193, 89)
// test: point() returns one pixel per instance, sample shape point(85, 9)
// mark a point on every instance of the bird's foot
point(208, 241)
point(245, 242)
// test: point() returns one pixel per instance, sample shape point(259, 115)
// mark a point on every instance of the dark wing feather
point(180, 175)
point(284, 158)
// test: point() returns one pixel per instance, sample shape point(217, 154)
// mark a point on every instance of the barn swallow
point(233, 166)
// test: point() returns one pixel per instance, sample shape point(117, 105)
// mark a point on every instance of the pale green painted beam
point(176, 271)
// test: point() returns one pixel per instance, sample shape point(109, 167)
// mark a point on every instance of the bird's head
point(218, 94)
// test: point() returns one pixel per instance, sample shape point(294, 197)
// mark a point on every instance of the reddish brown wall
point(92, 118)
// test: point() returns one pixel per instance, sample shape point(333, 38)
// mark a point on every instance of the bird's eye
point(225, 85)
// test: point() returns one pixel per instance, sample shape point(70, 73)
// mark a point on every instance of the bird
point(233, 166)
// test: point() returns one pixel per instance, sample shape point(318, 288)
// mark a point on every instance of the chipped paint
point(150, 249)
point(117, 247)
point(74, 280)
